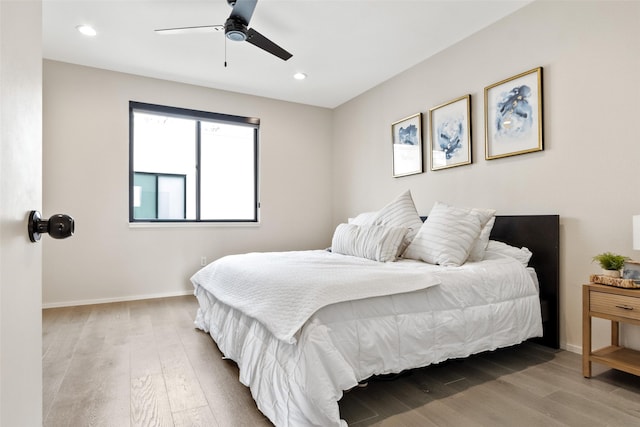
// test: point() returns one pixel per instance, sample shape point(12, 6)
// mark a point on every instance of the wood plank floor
point(142, 363)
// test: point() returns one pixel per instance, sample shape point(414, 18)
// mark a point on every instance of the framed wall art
point(450, 133)
point(631, 270)
point(513, 115)
point(406, 135)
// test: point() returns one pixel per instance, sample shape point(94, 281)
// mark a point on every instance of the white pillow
point(401, 212)
point(446, 236)
point(375, 242)
point(499, 248)
point(365, 218)
point(480, 245)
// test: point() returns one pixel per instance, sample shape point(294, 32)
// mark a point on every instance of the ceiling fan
point(236, 29)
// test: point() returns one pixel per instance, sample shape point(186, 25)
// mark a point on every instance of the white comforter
point(266, 286)
point(476, 307)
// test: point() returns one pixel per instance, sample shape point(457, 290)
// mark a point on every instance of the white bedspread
point(265, 286)
point(476, 307)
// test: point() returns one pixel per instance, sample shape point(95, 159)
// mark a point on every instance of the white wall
point(20, 192)
point(588, 171)
point(86, 155)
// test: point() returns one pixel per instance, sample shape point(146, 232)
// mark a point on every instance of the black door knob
point(59, 226)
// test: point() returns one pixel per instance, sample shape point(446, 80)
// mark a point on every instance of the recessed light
point(87, 30)
point(299, 76)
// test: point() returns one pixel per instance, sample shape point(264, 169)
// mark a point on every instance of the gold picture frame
point(513, 115)
point(450, 134)
point(406, 138)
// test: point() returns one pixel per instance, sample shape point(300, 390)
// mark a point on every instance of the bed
point(298, 357)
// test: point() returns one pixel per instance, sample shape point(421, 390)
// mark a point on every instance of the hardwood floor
point(142, 363)
point(139, 363)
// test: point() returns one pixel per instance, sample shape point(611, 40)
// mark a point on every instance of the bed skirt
point(300, 384)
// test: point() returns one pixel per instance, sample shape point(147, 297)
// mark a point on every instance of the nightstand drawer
point(617, 305)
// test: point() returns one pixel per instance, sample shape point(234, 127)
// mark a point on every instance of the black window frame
point(198, 116)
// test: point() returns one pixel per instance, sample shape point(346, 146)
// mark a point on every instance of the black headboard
point(541, 235)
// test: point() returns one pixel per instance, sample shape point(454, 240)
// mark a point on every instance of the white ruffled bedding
point(476, 307)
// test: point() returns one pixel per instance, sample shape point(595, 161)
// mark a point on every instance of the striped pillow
point(401, 212)
point(480, 245)
point(365, 218)
point(446, 237)
point(375, 242)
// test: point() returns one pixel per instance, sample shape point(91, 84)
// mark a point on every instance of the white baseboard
point(573, 348)
point(118, 299)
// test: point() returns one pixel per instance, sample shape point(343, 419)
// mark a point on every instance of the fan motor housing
point(235, 29)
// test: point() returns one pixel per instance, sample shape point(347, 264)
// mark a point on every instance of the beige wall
point(86, 155)
point(588, 172)
point(318, 167)
point(20, 192)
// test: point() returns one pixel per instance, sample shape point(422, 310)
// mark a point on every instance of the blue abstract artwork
point(513, 115)
point(408, 135)
point(407, 146)
point(451, 133)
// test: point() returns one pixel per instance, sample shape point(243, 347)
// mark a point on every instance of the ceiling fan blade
point(257, 39)
point(243, 9)
point(191, 30)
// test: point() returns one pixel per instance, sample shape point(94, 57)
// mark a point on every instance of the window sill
point(202, 224)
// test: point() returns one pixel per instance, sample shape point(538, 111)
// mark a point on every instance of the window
point(191, 166)
point(159, 195)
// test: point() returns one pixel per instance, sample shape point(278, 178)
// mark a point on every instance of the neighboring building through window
point(188, 165)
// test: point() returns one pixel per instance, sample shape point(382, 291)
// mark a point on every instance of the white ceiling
point(344, 46)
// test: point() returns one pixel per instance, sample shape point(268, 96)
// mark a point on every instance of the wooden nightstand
point(617, 305)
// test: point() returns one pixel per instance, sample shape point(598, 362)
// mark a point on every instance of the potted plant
point(611, 263)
